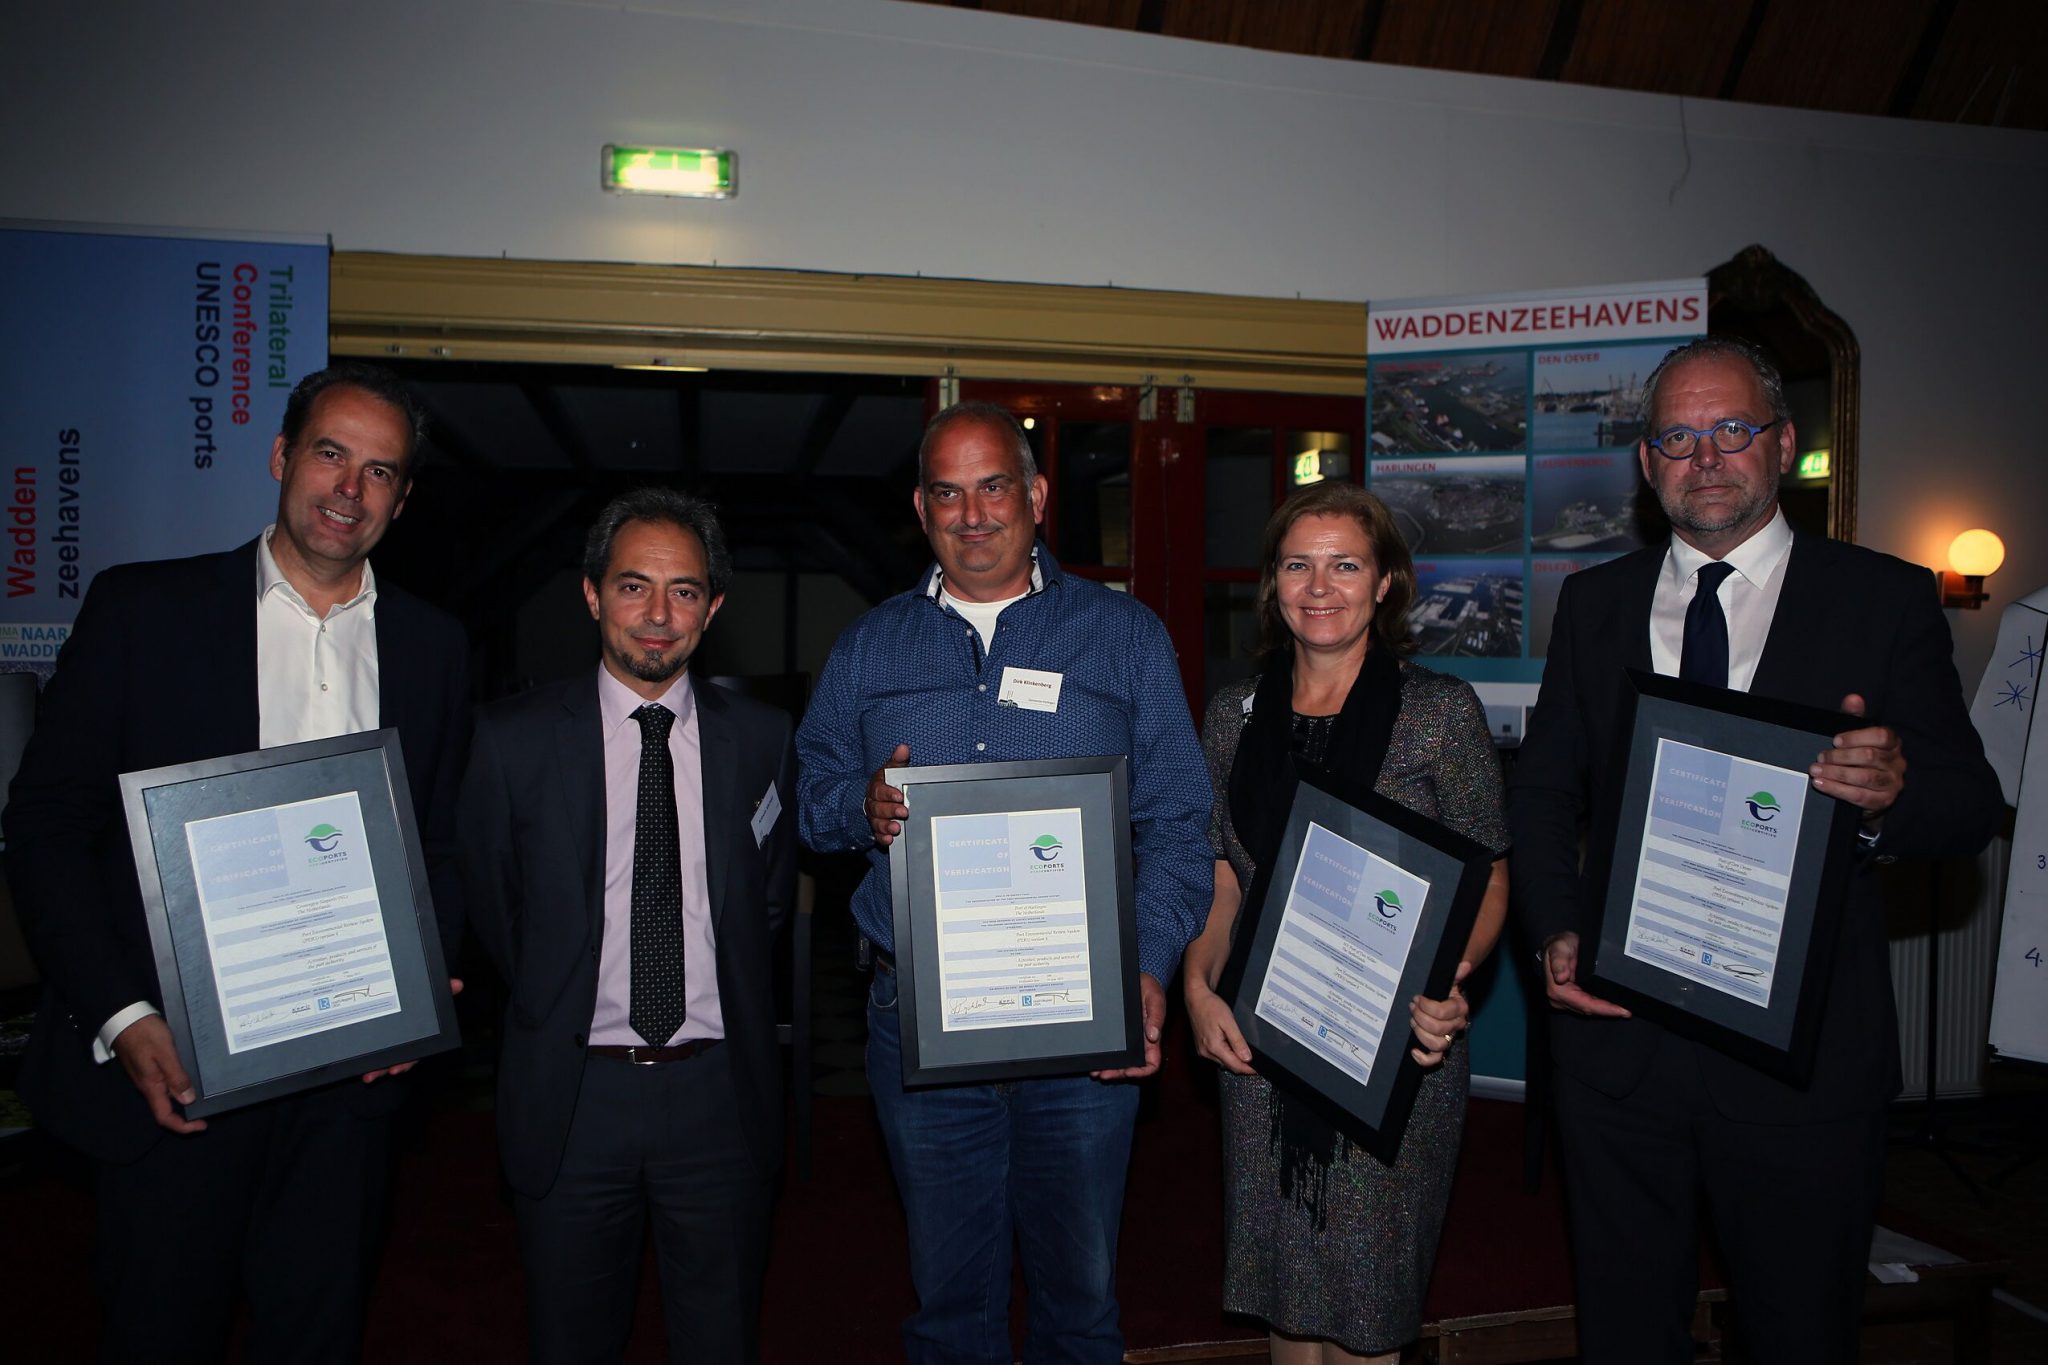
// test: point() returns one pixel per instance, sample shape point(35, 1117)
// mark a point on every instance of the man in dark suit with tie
point(289, 638)
point(1650, 1121)
point(628, 862)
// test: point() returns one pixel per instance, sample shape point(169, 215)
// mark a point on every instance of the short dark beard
point(655, 668)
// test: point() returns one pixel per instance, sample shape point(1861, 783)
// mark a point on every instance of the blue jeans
point(1042, 1160)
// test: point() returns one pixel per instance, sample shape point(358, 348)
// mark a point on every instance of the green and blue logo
point(1045, 848)
point(322, 838)
point(1762, 806)
point(1388, 904)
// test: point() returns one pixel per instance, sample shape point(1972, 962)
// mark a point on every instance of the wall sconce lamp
point(1973, 557)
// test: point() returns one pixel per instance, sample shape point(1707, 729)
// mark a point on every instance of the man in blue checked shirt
point(999, 656)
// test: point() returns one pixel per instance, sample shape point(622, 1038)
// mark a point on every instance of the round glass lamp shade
point(1976, 554)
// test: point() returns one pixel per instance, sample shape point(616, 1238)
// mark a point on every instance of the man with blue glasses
point(1650, 1121)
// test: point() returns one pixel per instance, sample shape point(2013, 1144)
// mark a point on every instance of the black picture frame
point(1778, 1034)
point(163, 804)
point(1371, 1109)
point(1113, 1034)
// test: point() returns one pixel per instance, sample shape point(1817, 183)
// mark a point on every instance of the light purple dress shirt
point(616, 704)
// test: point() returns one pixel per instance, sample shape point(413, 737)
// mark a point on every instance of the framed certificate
point(288, 907)
point(1367, 905)
point(1729, 871)
point(1016, 927)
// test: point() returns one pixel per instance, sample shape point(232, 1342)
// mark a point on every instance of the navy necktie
point(1705, 658)
point(656, 1007)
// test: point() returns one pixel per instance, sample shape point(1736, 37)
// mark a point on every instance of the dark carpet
point(838, 1286)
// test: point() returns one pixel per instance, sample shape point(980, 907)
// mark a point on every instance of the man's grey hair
point(1760, 365)
point(993, 416)
point(656, 503)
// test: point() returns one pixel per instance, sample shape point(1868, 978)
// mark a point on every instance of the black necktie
point(656, 1009)
point(1705, 658)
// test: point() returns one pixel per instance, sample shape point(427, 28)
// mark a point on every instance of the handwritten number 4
point(2034, 956)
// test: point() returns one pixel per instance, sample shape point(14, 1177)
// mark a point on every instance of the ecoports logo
point(1388, 904)
point(324, 839)
point(1045, 848)
point(1763, 808)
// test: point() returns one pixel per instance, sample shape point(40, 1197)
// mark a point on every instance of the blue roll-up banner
point(146, 378)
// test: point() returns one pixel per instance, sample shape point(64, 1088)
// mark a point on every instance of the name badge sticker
point(765, 811)
point(1030, 689)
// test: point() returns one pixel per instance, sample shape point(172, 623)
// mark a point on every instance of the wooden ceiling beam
point(1845, 56)
point(1914, 78)
point(1564, 36)
point(1977, 61)
point(1309, 28)
point(1682, 47)
point(1744, 45)
point(1991, 66)
point(1369, 30)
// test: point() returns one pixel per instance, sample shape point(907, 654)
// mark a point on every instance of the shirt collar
point(1044, 568)
point(617, 702)
point(270, 579)
point(1757, 559)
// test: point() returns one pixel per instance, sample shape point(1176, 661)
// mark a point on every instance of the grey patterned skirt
point(1358, 1279)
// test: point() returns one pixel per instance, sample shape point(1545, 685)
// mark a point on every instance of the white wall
point(897, 138)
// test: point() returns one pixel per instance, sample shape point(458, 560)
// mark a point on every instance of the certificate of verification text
point(289, 899)
point(1716, 868)
point(1011, 891)
point(1345, 933)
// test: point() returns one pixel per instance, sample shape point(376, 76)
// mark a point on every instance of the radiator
point(1972, 894)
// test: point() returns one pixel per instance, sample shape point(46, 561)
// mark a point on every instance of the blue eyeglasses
point(1731, 436)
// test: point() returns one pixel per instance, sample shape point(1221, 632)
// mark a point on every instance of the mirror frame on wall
point(1753, 295)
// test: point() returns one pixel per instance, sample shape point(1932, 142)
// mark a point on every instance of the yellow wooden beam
point(579, 313)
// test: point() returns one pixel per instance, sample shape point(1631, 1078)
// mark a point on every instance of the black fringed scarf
point(1262, 780)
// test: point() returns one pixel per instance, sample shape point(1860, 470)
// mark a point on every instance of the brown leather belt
point(653, 1056)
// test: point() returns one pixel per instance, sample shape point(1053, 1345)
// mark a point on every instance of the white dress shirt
point(315, 677)
point(1749, 599)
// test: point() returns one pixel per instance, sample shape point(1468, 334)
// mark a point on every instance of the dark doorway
point(811, 473)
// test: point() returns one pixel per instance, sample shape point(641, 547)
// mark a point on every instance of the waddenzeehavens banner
point(1502, 433)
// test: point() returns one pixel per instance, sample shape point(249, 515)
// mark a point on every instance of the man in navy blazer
point(628, 861)
point(1650, 1121)
point(290, 637)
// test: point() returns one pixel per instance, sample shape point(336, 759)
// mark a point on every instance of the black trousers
point(663, 1140)
point(284, 1201)
point(1793, 1206)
